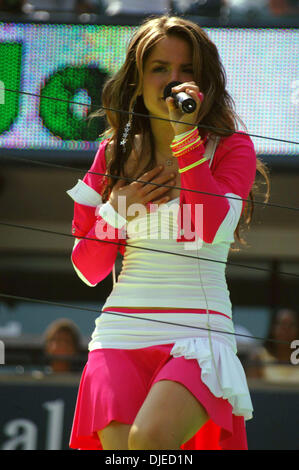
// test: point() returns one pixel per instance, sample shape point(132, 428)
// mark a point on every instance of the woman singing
point(162, 370)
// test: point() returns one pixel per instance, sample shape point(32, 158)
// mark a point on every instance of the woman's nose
point(176, 75)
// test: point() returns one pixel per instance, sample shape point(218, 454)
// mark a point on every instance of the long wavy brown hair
point(123, 92)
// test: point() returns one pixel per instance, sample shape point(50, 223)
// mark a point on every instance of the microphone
point(182, 101)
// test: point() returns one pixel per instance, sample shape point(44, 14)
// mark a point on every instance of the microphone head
point(167, 89)
point(189, 105)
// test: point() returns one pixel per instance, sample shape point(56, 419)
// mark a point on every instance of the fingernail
point(201, 96)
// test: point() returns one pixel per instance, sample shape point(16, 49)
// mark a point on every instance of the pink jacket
point(232, 172)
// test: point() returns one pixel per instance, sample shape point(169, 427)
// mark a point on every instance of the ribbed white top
point(169, 277)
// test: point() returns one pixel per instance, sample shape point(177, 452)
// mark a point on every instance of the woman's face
point(61, 344)
point(285, 327)
point(170, 60)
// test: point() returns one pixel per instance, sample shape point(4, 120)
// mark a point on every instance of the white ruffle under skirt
point(222, 371)
point(223, 374)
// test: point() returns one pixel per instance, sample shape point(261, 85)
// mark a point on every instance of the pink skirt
point(115, 383)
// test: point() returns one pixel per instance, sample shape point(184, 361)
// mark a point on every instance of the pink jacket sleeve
point(94, 258)
point(232, 173)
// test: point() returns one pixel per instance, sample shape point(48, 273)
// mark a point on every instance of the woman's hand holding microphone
point(188, 119)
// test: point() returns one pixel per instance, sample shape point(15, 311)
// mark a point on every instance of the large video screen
point(71, 62)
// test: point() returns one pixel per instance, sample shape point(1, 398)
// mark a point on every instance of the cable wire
point(164, 119)
point(76, 307)
point(54, 165)
point(148, 116)
point(52, 232)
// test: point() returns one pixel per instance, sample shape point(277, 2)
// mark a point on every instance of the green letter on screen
point(58, 116)
point(10, 74)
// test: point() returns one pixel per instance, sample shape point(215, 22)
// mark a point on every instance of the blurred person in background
point(62, 343)
point(246, 343)
point(272, 361)
point(283, 7)
point(90, 6)
point(258, 8)
point(198, 7)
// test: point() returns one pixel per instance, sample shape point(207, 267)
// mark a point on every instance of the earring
point(127, 128)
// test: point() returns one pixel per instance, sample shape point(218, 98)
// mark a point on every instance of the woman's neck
point(163, 135)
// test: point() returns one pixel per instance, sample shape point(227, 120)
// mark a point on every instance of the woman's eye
point(159, 69)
